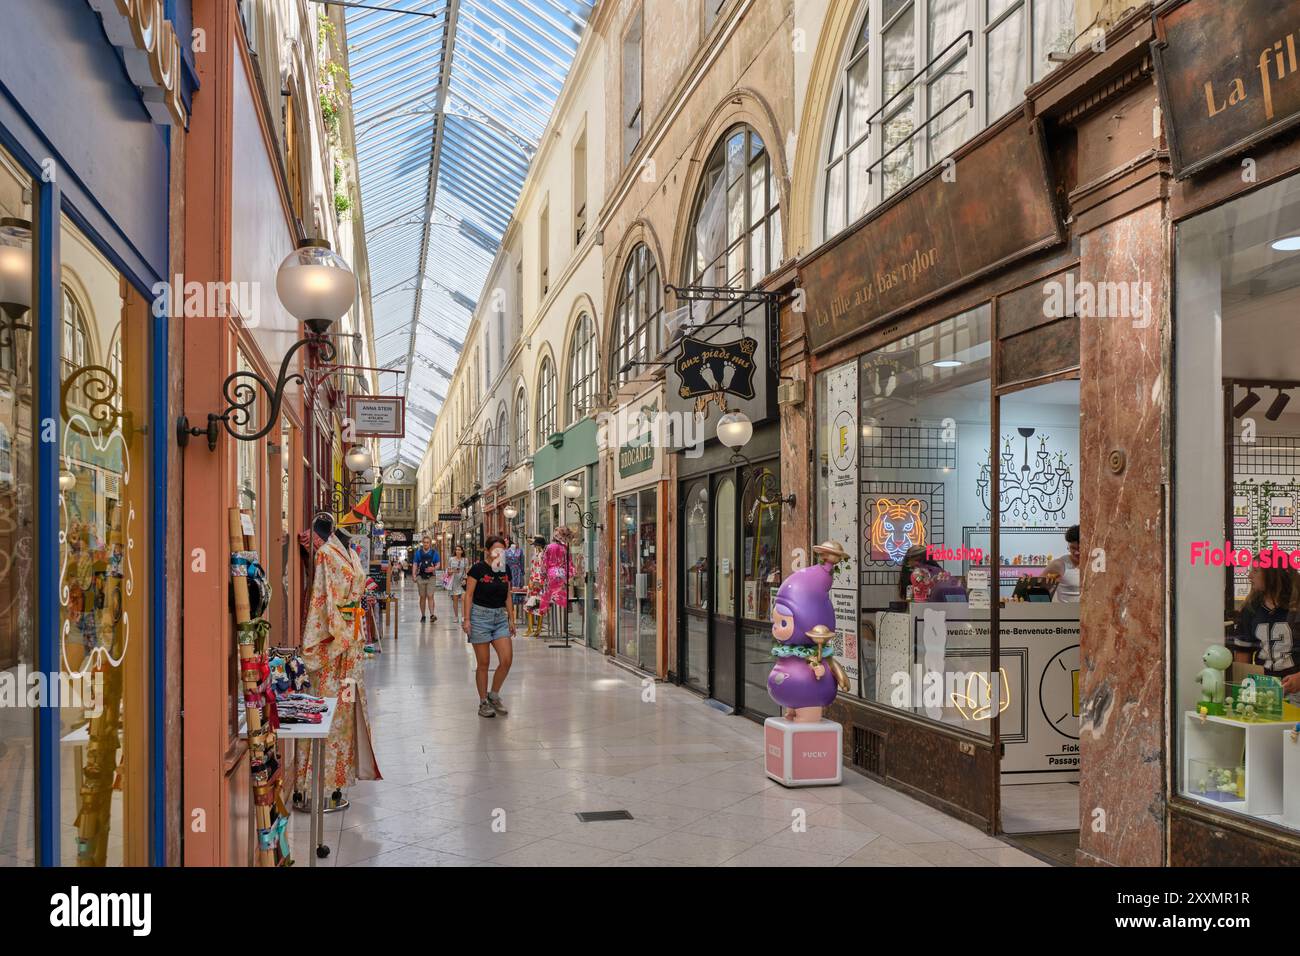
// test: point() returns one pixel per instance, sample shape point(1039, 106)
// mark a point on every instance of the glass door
point(626, 637)
point(646, 583)
point(723, 659)
point(695, 589)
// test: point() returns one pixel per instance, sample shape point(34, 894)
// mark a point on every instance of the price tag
point(246, 521)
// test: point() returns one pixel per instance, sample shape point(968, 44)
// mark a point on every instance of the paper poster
point(841, 446)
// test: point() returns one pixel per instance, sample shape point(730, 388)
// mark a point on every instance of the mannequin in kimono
point(333, 643)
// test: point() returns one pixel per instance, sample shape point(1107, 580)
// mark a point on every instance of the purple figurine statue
point(805, 677)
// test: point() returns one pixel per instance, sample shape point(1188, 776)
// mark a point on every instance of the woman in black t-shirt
point(489, 620)
point(1265, 624)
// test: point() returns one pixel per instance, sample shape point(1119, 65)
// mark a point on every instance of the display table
point(316, 733)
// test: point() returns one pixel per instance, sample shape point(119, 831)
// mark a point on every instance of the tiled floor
point(583, 734)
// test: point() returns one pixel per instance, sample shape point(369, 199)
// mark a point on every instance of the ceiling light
point(1246, 404)
point(1287, 244)
point(947, 363)
point(1279, 403)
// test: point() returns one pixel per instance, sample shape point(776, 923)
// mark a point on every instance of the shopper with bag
point(424, 566)
point(455, 580)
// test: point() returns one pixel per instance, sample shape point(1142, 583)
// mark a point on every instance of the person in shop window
point(1266, 623)
point(1064, 572)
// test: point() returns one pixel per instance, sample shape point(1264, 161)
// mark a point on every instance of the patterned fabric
point(515, 565)
point(333, 648)
point(537, 576)
point(555, 562)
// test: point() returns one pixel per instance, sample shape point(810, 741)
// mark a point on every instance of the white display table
point(316, 733)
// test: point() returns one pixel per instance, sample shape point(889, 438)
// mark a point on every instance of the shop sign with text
point(964, 219)
point(151, 52)
point(1229, 76)
point(638, 453)
point(377, 416)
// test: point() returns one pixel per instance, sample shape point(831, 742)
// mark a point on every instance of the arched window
point(920, 79)
point(582, 368)
point(503, 441)
point(489, 457)
point(546, 401)
point(638, 316)
point(735, 231)
point(76, 337)
point(521, 426)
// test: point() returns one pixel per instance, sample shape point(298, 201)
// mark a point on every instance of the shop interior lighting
point(947, 363)
point(1275, 409)
point(1246, 404)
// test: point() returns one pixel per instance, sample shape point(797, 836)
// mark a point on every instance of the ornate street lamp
point(317, 287)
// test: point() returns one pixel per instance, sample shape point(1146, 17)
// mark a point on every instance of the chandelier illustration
point(1025, 493)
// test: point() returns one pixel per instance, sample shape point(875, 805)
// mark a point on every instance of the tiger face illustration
point(896, 526)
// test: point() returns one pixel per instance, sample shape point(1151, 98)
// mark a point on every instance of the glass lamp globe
point(571, 489)
point(735, 429)
point(358, 459)
point(316, 285)
point(15, 266)
point(511, 512)
point(67, 481)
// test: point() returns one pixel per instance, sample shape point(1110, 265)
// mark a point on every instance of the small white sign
point(246, 522)
point(377, 416)
point(977, 579)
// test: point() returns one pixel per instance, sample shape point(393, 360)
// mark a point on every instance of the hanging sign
point(841, 481)
point(706, 368)
point(1228, 74)
point(377, 416)
point(449, 516)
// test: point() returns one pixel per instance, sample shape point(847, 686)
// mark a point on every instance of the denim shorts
point(486, 624)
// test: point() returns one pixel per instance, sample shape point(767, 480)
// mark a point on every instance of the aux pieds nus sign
point(1229, 76)
point(989, 205)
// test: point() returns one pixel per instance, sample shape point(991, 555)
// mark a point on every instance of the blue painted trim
point(25, 139)
point(160, 418)
point(48, 203)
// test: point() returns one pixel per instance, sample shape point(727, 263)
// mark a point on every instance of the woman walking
point(456, 580)
point(489, 621)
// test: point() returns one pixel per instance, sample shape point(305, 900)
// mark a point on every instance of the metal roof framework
point(448, 111)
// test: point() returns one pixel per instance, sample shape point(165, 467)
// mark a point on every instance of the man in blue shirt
point(424, 565)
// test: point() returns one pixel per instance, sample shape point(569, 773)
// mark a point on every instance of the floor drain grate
point(595, 816)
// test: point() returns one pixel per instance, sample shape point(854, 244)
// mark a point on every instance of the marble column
point(1124, 411)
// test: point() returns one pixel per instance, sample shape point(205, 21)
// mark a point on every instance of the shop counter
point(933, 660)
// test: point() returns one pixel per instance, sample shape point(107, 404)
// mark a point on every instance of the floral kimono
point(333, 645)
point(557, 570)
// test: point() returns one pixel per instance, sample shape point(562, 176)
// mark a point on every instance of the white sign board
point(377, 416)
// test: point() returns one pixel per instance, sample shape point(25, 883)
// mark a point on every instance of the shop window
point(17, 471)
point(919, 79)
point(735, 231)
point(902, 448)
point(638, 315)
point(582, 369)
point(546, 400)
point(105, 511)
point(760, 517)
point(696, 599)
point(1237, 480)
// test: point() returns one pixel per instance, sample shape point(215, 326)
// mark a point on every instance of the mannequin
point(333, 649)
point(557, 569)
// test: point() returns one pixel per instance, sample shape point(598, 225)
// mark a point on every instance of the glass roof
point(448, 110)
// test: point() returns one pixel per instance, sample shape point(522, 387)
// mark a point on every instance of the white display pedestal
point(803, 755)
point(1222, 742)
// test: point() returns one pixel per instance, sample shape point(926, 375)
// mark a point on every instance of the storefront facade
point(89, 232)
point(635, 466)
point(1233, 207)
point(569, 459)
